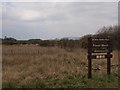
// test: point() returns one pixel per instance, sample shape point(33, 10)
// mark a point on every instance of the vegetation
point(69, 45)
point(37, 63)
point(113, 32)
point(71, 82)
point(53, 67)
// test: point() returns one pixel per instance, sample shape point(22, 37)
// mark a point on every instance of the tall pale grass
point(22, 64)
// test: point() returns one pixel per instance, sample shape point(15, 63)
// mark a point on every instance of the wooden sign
point(100, 56)
point(99, 45)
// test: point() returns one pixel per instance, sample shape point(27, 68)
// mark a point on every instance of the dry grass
point(23, 64)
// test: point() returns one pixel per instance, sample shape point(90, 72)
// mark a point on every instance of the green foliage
point(10, 85)
point(8, 41)
point(39, 83)
point(97, 81)
point(35, 41)
point(47, 43)
point(101, 81)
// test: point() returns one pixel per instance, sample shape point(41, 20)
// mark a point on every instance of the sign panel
point(99, 51)
point(99, 45)
point(102, 56)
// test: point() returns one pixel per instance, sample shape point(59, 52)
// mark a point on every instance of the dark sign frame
point(99, 45)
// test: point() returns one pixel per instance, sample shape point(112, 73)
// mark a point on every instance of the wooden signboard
point(102, 47)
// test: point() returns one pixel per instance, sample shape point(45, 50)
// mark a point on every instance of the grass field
point(32, 66)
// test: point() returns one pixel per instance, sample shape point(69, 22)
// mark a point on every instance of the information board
point(102, 48)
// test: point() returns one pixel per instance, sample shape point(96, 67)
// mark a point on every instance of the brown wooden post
point(108, 64)
point(89, 58)
point(89, 68)
point(108, 58)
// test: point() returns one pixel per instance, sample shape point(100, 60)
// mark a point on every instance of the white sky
point(46, 20)
point(59, 0)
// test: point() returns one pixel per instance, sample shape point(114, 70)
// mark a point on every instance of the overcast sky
point(56, 20)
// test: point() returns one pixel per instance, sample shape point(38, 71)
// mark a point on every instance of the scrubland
point(31, 66)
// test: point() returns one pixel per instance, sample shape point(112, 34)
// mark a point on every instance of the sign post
point(108, 64)
point(101, 46)
point(89, 59)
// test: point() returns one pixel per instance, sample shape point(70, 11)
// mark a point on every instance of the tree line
point(112, 31)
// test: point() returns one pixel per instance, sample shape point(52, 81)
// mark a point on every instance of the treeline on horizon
point(112, 31)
